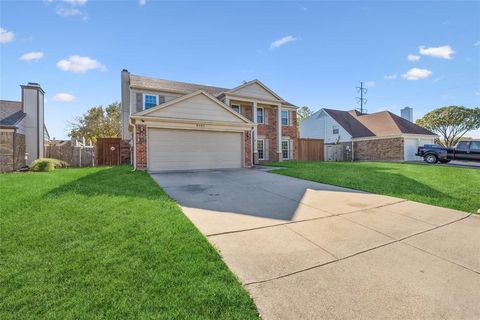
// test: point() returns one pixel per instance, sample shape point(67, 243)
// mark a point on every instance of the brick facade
point(379, 149)
point(12, 151)
point(248, 161)
point(141, 146)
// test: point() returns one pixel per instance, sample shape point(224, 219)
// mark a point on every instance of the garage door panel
point(189, 150)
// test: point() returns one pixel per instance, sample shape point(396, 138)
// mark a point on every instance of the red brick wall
point(141, 146)
point(248, 149)
point(292, 131)
point(269, 130)
point(378, 149)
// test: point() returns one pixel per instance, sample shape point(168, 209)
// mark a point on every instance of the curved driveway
point(307, 250)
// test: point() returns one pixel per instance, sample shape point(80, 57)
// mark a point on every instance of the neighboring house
point(376, 136)
point(183, 126)
point(22, 128)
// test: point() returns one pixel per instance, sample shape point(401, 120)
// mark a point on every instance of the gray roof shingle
point(10, 112)
point(175, 86)
point(378, 124)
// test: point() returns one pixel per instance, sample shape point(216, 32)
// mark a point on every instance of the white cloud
point(477, 93)
point(69, 12)
point(76, 2)
point(64, 97)
point(413, 58)
point(416, 74)
point(390, 76)
point(280, 42)
point(78, 64)
point(443, 52)
point(369, 84)
point(477, 44)
point(142, 2)
point(35, 55)
point(6, 36)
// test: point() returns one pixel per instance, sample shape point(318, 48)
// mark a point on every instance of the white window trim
point(288, 148)
point(263, 115)
point(288, 118)
point(149, 94)
point(263, 147)
point(335, 127)
point(236, 105)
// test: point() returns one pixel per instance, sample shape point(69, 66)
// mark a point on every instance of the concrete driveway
point(306, 250)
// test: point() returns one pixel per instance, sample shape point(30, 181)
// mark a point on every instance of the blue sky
point(311, 53)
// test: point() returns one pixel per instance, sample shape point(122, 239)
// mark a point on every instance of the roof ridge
point(180, 82)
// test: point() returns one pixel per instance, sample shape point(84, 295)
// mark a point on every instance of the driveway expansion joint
point(371, 249)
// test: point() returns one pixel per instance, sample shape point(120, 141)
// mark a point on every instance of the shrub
point(47, 165)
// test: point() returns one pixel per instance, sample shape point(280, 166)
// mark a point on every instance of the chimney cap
point(124, 70)
point(32, 85)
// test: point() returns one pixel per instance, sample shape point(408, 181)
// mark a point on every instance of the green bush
point(47, 165)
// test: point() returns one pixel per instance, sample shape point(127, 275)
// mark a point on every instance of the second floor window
point(236, 107)
point(260, 115)
point(150, 101)
point(335, 130)
point(285, 118)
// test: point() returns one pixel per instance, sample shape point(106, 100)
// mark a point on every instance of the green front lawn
point(450, 187)
point(106, 243)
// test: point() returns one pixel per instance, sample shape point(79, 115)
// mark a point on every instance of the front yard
point(106, 243)
point(450, 187)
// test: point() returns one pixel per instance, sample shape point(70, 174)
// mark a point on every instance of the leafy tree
point(303, 113)
point(451, 123)
point(98, 122)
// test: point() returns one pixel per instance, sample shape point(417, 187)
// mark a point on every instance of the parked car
point(465, 150)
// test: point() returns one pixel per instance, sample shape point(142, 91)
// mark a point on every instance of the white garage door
point(191, 150)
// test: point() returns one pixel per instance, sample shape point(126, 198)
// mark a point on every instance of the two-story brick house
point(183, 126)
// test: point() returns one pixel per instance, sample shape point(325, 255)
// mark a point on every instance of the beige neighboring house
point(376, 136)
point(184, 126)
point(22, 128)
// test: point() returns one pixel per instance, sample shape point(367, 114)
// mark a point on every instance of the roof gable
point(198, 105)
point(349, 123)
point(255, 89)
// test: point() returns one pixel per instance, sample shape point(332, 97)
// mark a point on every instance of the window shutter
point(161, 99)
point(265, 149)
point(265, 117)
point(139, 102)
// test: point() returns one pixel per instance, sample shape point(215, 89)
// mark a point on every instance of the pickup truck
point(465, 151)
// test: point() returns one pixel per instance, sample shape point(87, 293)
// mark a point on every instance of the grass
point(450, 187)
point(107, 243)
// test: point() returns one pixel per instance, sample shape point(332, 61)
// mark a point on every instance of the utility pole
point(361, 100)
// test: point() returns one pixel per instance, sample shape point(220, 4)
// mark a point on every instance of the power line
point(361, 100)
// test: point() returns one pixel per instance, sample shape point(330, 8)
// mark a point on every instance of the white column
point(279, 132)
point(255, 150)
point(227, 101)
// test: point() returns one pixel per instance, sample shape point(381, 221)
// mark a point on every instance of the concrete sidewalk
point(309, 250)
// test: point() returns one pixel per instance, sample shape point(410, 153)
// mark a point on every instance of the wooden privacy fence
point(310, 149)
point(74, 152)
point(112, 151)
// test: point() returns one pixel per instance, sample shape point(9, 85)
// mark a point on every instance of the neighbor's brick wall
point(141, 146)
point(380, 149)
point(12, 151)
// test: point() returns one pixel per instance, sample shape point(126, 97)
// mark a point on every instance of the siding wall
point(320, 126)
point(254, 90)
